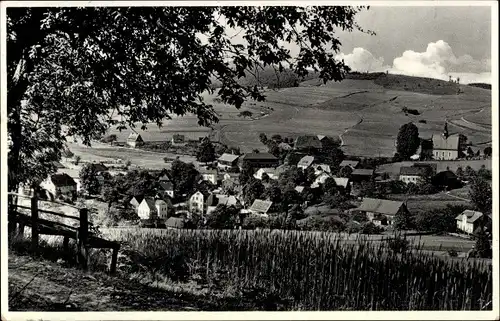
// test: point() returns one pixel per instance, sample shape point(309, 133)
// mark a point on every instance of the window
point(449, 154)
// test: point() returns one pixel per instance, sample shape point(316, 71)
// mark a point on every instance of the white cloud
point(438, 61)
point(362, 60)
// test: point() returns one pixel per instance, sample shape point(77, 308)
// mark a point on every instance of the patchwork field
point(366, 115)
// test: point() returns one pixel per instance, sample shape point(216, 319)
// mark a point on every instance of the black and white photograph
point(249, 157)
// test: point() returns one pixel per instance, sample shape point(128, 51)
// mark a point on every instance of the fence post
point(114, 259)
point(34, 223)
point(11, 214)
point(83, 232)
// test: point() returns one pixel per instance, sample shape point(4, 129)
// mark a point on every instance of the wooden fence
point(85, 239)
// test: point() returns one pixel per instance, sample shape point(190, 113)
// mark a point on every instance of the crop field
point(312, 270)
point(366, 115)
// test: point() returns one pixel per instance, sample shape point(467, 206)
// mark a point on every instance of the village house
point(380, 211)
point(308, 143)
point(178, 140)
point(210, 175)
point(468, 221)
point(351, 163)
point(362, 174)
point(260, 160)
point(175, 223)
point(151, 209)
point(60, 185)
point(272, 173)
point(322, 168)
point(344, 182)
point(445, 146)
point(215, 200)
point(260, 207)
point(231, 182)
point(412, 174)
point(299, 189)
point(134, 140)
point(197, 202)
point(320, 180)
point(305, 162)
point(227, 161)
point(285, 146)
point(136, 200)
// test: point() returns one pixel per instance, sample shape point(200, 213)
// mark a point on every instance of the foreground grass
point(277, 270)
point(313, 271)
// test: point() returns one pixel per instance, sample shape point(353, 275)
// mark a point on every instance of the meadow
point(306, 270)
point(366, 112)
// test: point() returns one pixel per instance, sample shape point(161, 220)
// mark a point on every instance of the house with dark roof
point(134, 140)
point(307, 143)
point(260, 207)
point(167, 188)
point(445, 146)
point(259, 160)
point(380, 211)
point(362, 174)
point(468, 221)
point(227, 161)
point(219, 199)
point(60, 184)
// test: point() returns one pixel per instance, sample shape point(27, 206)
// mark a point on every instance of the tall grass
point(313, 271)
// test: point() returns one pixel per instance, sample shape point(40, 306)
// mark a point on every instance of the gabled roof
point(205, 194)
point(138, 198)
point(166, 186)
point(380, 206)
point(472, 216)
point(442, 143)
point(134, 137)
point(363, 172)
point(259, 156)
point(261, 206)
point(231, 176)
point(208, 171)
point(433, 166)
point(175, 222)
point(268, 170)
point(323, 167)
point(160, 202)
point(305, 161)
point(284, 146)
point(299, 189)
point(98, 167)
point(58, 165)
point(341, 181)
point(228, 157)
point(412, 171)
point(62, 179)
point(351, 163)
point(307, 141)
point(150, 202)
point(164, 178)
point(320, 137)
point(228, 200)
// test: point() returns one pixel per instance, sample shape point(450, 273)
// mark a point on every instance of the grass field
point(367, 115)
point(394, 168)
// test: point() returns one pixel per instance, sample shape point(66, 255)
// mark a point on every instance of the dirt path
point(39, 285)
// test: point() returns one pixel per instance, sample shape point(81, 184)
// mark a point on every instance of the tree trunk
point(17, 89)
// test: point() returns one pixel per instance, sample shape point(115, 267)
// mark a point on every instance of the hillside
point(364, 110)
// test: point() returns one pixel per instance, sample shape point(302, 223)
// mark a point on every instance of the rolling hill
point(365, 110)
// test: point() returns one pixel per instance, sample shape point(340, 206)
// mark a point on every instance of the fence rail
point(84, 238)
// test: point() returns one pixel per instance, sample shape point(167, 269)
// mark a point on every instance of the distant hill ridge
point(481, 85)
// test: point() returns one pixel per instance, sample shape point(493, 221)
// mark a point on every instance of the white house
point(134, 140)
point(469, 221)
point(152, 209)
point(271, 172)
point(60, 184)
point(322, 168)
point(210, 175)
point(305, 162)
point(197, 202)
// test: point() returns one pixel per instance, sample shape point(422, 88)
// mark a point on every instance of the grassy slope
point(367, 113)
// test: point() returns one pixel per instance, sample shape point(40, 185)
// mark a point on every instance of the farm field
point(366, 115)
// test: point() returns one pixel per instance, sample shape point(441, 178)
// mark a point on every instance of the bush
point(398, 244)
point(452, 253)
point(370, 228)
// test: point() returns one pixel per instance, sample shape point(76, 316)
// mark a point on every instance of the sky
point(435, 42)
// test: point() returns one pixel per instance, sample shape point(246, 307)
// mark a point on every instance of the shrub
point(398, 244)
point(370, 228)
point(452, 253)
